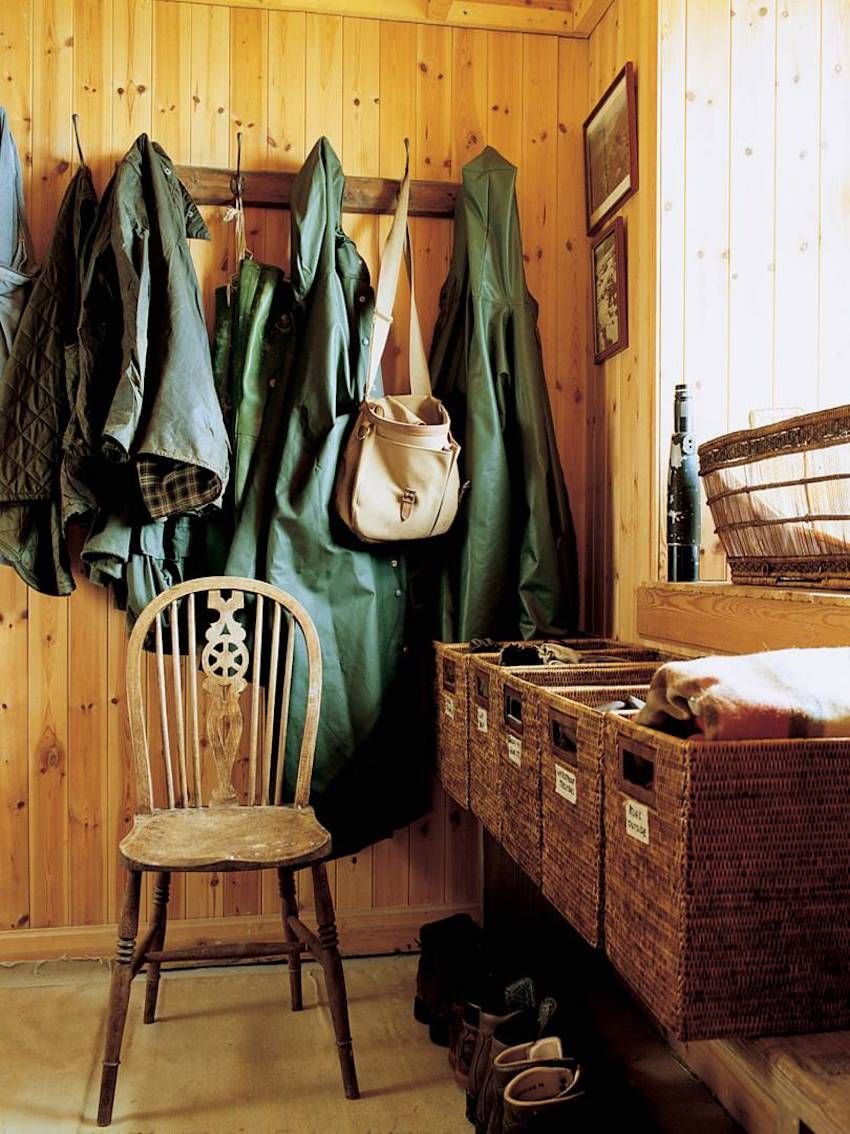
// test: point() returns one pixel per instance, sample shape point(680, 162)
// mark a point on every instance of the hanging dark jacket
point(37, 389)
point(147, 446)
point(510, 561)
point(304, 351)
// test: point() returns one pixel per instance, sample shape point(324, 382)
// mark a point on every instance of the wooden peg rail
point(267, 189)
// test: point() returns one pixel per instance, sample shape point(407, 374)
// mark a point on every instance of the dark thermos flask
point(683, 498)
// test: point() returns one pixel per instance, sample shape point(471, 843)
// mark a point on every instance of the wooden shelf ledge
point(727, 618)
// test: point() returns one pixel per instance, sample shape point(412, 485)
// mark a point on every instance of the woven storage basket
point(452, 709)
point(502, 696)
point(571, 763)
point(727, 880)
point(780, 499)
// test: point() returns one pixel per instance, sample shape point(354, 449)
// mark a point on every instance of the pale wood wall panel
point(191, 75)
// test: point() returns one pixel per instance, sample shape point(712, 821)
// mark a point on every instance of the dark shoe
point(450, 949)
point(482, 1025)
point(544, 1100)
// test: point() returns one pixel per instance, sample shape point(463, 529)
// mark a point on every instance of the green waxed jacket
point(510, 566)
point(290, 361)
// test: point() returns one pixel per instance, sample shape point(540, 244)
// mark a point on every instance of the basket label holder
point(481, 697)
point(449, 706)
point(637, 821)
point(513, 710)
point(566, 783)
point(636, 773)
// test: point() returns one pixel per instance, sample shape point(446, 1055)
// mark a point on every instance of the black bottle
point(683, 497)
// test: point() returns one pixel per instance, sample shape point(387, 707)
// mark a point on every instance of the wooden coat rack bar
point(267, 189)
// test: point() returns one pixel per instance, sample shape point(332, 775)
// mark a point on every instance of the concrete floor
point(226, 1055)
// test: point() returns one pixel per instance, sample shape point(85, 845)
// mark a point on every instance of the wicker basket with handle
point(780, 499)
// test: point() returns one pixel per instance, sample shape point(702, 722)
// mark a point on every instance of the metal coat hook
point(237, 182)
point(75, 120)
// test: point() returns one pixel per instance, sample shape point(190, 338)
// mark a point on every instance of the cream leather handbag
point(398, 477)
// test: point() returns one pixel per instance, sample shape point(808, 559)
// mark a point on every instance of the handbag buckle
point(408, 499)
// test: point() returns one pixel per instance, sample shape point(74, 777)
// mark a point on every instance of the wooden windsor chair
point(176, 828)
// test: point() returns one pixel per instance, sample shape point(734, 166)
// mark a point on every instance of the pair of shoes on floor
point(490, 1005)
point(448, 964)
point(521, 1081)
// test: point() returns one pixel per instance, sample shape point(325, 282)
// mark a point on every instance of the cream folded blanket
point(776, 694)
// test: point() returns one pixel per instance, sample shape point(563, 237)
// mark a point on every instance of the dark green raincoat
point(511, 554)
point(291, 358)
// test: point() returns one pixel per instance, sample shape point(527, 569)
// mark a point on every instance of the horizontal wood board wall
point(754, 221)
point(191, 75)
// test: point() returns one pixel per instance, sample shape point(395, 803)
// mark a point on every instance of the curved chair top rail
point(226, 666)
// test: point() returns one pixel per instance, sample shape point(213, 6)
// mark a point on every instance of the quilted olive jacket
point(37, 388)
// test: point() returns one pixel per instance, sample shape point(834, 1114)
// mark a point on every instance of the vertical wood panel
point(286, 139)
point(797, 199)
point(120, 791)
point(16, 54)
point(469, 96)
point(132, 71)
point(172, 78)
point(48, 748)
point(751, 209)
point(834, 326)
point(53, 77)
point(92, 81)
point(14, 785)
point(324, 80)
point(505, 78)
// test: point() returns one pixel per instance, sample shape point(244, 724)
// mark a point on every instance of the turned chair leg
point(159, 918)
point(332, 965)
point(119, 994)
point(289, 908)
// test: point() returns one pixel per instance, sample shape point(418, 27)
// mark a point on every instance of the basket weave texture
point(571, 732)
point(780, 499)
point(734, 918)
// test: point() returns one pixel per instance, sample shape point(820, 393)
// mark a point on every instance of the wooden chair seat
point(232, 838)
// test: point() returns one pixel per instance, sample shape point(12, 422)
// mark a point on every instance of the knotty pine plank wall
point(191, 75)
point(622, 393)
point(755, 222)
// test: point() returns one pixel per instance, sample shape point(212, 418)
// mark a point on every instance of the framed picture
point(610, 150)
point(610, 300)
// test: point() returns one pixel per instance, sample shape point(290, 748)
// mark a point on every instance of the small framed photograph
point(610, 299)
point(610, 150)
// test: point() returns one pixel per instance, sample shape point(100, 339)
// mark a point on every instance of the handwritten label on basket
point(566, 784)
point(637, 821)
point(449, 706)
point(515, 750)
point(480, 718)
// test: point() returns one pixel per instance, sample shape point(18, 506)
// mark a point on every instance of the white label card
point(449, 706)
point(566, 783)
point(515, 750)
point(481, 718)
point(637, 821)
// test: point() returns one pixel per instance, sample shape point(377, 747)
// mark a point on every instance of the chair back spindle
point(216, 609)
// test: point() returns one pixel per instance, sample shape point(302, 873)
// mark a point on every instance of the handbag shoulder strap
point(397, 245)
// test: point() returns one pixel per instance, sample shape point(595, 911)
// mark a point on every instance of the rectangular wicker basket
point(727, 880)
point(504, 697)
point(451, 699)
point(780, 499)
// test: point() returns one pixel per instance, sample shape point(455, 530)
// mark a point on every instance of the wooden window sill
point(733, 619)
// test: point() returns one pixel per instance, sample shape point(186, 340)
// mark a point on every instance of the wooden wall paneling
point(286, 138)
point(671, 239)
point(796, 228)
point(706, 262)
point(53, 77)
point(324, 80)
point(249, 61)
point(834, 326)
point(432, 243)
point(751, 209)
point(505, 83)
point(92, 98)
point(120, 783)
point(47, 675)
point(16, 52)
point(14, 782)
point(398, 85)
point(573, 281)
point(172, 78)
point(87, 762)
point(210, 138)
point(156, 747)
point(361, 79)
point(132, 65)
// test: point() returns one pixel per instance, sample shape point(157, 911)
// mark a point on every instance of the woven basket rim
point(717, 453)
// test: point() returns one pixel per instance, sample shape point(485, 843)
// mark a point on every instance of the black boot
point(447, 965)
